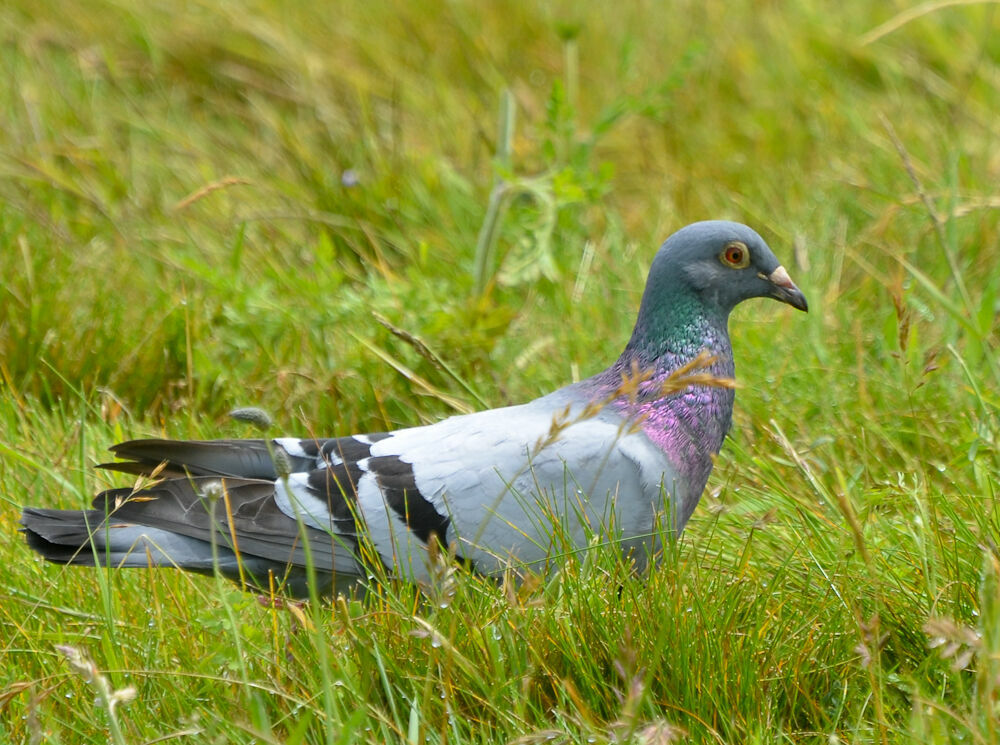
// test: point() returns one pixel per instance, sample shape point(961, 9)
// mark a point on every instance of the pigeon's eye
point(735, 255)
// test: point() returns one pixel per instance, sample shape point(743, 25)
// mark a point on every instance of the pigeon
point(613, 458)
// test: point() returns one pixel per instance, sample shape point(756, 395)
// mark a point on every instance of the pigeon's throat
point(663, 342)
point(682, 413)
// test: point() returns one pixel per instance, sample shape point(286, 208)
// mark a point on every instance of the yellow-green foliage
point(206, 205)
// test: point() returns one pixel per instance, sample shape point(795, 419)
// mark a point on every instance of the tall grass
point(313, 210)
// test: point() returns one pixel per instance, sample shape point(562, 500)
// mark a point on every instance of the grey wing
point(497, 485)
point(501, 487)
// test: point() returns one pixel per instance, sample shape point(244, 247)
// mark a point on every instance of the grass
point(315, 211)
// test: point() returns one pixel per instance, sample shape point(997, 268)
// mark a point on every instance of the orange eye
point(735, 255)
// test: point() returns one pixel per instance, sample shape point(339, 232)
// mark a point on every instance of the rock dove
point(608, 458)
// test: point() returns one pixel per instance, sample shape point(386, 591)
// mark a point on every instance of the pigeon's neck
point(671, 330)
point(687, 425)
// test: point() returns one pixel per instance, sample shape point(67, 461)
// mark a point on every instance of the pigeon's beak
point(783, 289)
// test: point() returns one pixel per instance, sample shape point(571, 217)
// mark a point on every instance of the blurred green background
point(361, 216)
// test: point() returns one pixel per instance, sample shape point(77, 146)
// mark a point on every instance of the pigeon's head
point(723, 263)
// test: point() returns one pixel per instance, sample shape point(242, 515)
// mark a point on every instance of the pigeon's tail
point(198, 524)
point(249, 459)
point(83, 537)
